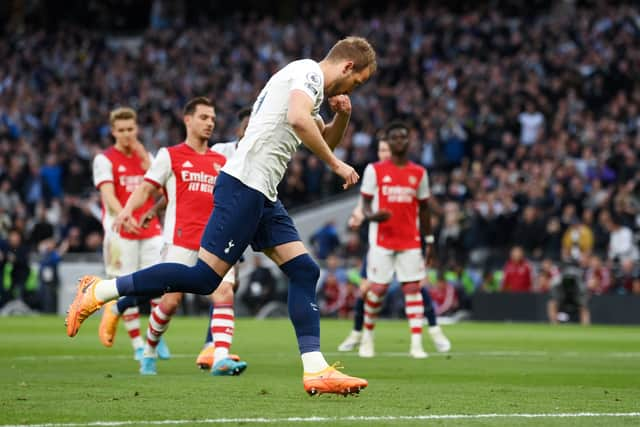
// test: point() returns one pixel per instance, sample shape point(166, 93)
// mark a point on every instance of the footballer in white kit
point(247, 210)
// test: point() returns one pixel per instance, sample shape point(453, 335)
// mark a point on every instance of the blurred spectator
point(9, 199)
point(325, 240)
point(50, 257)
point(333, 289)
point(41, 229)
point(531, 124)
point(529, 232)
point(314, 178)
point(552, 243)
point(262, 287)
point(621, 241)
point(51, 175)
point(443, 295)
point(518, 274)
point(626, 278)
point(491, 281)
point(547, 276)
point(450, 235)
point(353, 247)
point(598, 276)
point(516, 114)
point(15, 268)
point(577, 241)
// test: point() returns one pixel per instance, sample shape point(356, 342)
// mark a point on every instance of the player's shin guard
point(373, 304)
point(131, 320)
point(303, 274)
point(170, 277)
point(158, 324)
point(222, 326)
point(413, 306)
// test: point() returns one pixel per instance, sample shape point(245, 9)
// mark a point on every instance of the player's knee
point(170, 302)
point(377, 289)
point(224, 294)
point(302, 269)
point(411, 288)
point(207, 279)
point(364, 287)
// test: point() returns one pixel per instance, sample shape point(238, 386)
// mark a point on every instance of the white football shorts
point(408, 265)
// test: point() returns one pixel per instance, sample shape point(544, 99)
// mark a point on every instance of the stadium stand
point(528, 124)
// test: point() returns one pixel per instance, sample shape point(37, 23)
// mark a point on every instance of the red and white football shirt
point(188, 178)
point(125, 173)
point(397, 189)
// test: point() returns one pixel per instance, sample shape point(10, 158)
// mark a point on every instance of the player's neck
point(329, 72)
point(399, 160)
point(198, 145)
point(124, 149)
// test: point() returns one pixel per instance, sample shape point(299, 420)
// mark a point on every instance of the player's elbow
point(296, 120)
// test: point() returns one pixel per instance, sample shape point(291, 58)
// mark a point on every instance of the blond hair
point(356, 49)
point(122, 113)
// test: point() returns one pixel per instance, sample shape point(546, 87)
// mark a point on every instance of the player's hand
point(380, 216)
point(138, 147)
point(340, 104)
point(355, 221)
point(145, 219)
point(347, 173)
point(126, 221)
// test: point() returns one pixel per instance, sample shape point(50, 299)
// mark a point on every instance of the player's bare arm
point(356, 218)
point(300, 118)
point(159, 206)
point(425, 230)
point(378, 216)
point(137, 199)
point(109, 199)
point(334, 131)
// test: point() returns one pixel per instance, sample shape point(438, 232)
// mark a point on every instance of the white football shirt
point(269, 141)
point(227, 149)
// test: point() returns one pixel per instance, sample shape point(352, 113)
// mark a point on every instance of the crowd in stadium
point(529, 128)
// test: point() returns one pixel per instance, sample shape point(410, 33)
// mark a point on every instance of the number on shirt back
point(259, 102)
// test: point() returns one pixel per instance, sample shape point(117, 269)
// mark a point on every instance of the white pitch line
point(263, 420)
point(614, 354)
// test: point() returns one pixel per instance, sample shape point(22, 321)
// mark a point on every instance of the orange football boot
point(205, 358)
point(84, 304)
point(331, 380)
point(108, 324)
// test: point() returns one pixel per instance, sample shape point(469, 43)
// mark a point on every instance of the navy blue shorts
point(243, 216)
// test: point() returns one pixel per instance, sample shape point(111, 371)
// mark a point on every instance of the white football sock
point(313, 361)
point(106, 290)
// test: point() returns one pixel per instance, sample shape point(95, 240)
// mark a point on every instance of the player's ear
point(347, 67)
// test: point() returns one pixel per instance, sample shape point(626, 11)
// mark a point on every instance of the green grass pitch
point(497, 374)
